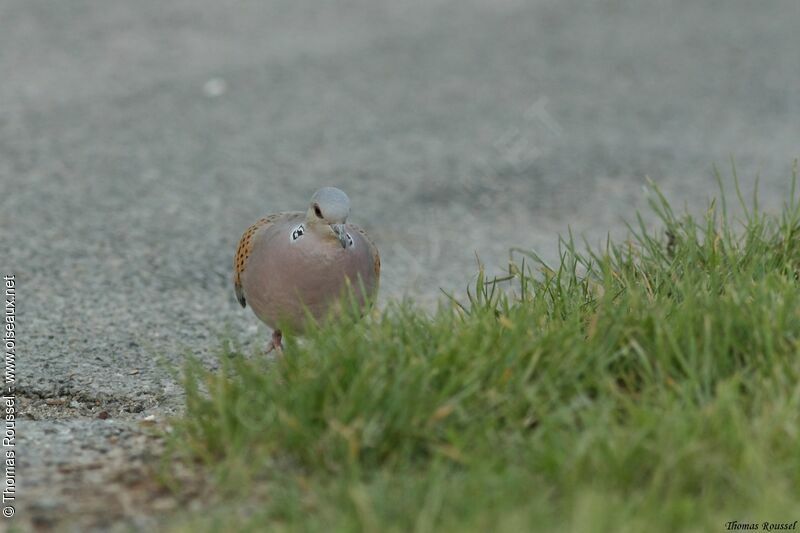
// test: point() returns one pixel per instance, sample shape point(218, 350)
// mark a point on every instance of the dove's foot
point(275, 343)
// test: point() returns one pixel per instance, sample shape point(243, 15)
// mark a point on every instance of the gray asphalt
point(139, 139)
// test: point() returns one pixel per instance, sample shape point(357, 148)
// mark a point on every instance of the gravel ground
point(139, 139)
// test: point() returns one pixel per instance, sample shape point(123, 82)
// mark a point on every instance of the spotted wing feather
point(243, 253)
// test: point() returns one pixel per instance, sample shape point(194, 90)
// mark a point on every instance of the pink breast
point(306, 276)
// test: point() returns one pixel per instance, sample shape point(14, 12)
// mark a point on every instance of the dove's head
point(330, 206)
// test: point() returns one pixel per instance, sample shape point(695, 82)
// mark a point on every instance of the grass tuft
point(652, 384)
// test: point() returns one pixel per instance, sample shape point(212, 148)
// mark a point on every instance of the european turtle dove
point(293, 262)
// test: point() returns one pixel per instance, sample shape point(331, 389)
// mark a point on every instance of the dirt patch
point(95, 465)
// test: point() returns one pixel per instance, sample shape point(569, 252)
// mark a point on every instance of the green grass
point(651, 385)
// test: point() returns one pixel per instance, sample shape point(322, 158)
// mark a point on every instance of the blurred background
point(144, 137)
point(138, 140)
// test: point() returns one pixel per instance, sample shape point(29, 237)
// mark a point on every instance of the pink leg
point(275, 343)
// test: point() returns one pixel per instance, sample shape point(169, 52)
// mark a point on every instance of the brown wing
point(243, 253)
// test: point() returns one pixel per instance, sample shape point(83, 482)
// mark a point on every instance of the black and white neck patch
point(297, 232)
point(300, 230)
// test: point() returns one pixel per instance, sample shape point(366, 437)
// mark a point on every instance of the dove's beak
point(341, 234)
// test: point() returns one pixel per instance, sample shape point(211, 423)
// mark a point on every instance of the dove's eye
point(317, 211)
point(298, 232)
